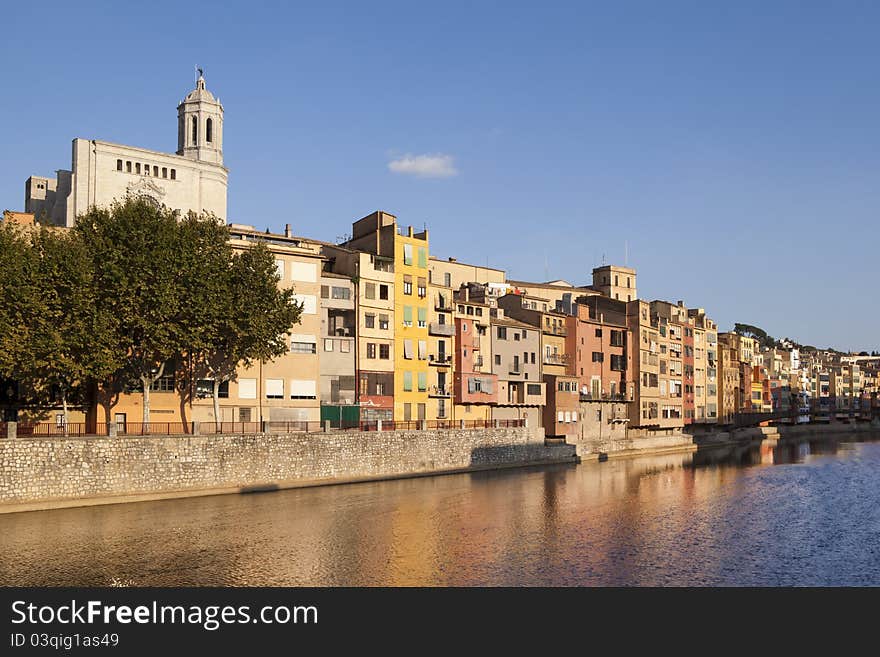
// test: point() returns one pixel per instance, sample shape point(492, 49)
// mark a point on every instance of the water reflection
point(717, 517)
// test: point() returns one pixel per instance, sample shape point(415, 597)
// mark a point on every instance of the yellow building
point(378, 233)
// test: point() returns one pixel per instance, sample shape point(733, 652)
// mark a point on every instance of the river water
point(805, 514)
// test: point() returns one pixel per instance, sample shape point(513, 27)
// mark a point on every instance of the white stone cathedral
point(192, 179)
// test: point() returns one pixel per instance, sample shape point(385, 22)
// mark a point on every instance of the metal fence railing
point(80, 429)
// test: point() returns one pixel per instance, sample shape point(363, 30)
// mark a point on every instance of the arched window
point(208, 131)
point(195, 130)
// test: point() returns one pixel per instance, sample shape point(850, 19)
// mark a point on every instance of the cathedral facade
point(193, 178)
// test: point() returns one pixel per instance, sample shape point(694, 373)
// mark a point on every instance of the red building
point(687, 360)
point(597, 341)
point(474, 383)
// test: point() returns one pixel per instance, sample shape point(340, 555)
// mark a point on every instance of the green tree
point(135, 250)
point(71, 341)
point(249, 321)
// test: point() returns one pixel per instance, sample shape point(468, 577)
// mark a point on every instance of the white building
point(192, 179)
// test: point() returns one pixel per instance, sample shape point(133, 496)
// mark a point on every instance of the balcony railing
point(556, 330)
point(617, 397)
point(557, 359)
point(447, 330)
point(439, 391)
point(443, 305)
point(441, 360)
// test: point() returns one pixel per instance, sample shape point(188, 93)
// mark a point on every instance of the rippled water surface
point(805, 514)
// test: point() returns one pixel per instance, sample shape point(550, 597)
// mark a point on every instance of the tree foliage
point(129, 289)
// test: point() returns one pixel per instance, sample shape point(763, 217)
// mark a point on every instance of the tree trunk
point(64, 405)
point(147, 384)
point(217, 404)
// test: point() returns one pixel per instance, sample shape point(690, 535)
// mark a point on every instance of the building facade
point(192, 179)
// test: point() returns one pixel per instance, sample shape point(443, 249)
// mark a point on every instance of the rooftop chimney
point(286, 230)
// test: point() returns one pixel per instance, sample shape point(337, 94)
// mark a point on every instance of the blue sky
point(733, 147)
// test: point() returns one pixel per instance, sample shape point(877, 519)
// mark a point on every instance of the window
point(119, 165)
point(560, 416)
point(407, 316)
point(164, 172)
point(423, 288)
point(156, 171)
point(407, 411)
point(618, 338)
point(423, 258)
point(617, 363)
point(598, 357)
point(599, 333)
point(325, 291)
point(371, 350)
point(370, 290)
point(383, 322)
point(247, 388)
point(137, 167)
point(479, 312)
point(497, 359)
point(407, 254)
point(407, 286)
point(533, 389)
point(340, 293)
point(328, 344)
point(533, 358)
point(370, 320)
point(408, 349)
point(173, 174)
point(303, 389)
point(407, 381)
point(423, 381)
point(128, 167)
point(195, 131)
point(423, 317)
point(208, 130)
point(502, 332)
point(302, 344)
point(383, 292)
point(309, 303)
point(516, 337)
point(274, 388)
point(384, 352)
point(447, 279)
point(423, 350)
point(205, 388)
point(306, 272)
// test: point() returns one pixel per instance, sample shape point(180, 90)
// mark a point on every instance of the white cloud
point(424, 166)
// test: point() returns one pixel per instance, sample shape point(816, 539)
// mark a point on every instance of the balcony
point(440, 360)
point(478, 363)
point(443, 305)
point(556, 330)
point(439, 391)
point(446, 330)
point(557, 359)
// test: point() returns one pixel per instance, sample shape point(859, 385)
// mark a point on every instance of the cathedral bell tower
point(200, 125)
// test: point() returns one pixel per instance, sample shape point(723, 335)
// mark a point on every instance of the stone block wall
point(38, 470)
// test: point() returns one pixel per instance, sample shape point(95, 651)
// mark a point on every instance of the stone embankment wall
point(49, 473)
